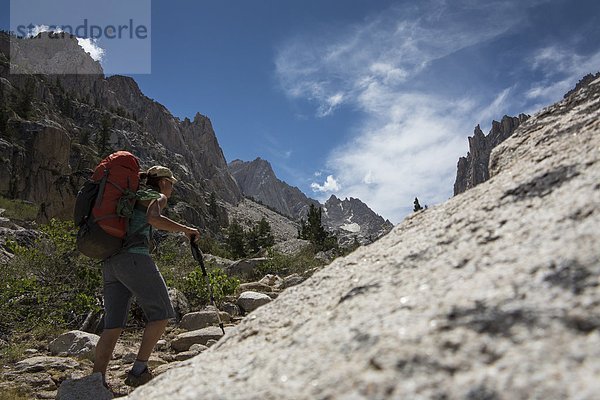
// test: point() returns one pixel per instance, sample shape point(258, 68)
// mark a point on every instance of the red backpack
point(116, 192)
point(105, 204)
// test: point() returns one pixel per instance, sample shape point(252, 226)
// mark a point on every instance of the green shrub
point(18, 209)
point(282, 265)
point(49, 284)
point(180, 270)
point(193, 286)
point(211, 246)
point(36, 338)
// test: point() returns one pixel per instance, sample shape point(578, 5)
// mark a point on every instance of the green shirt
point(138, 236)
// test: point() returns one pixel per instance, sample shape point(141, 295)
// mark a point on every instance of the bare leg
point(152, 333)
point(104, 349)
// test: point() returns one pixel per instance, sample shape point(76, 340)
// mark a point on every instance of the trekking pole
point(198, 256)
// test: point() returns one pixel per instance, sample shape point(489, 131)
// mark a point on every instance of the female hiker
point(132, 272)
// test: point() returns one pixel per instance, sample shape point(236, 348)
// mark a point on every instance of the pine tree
point(85, 136)
point(265, 237)
point(59, 86)
point(104, 135)
point(417, 206)
point(252, 240)
point(24, 104)
point(213, 209)
point(313, 231)
point(236, 240)
point(65, 106)
point(260, 236)
point(3, 122)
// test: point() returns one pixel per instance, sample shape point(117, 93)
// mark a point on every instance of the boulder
point(250, 301)
point(165, 367)
point(231, 309)
point(155, 361)
point(183, 341)
point(201, 319)
point(179, 302)
point(292, 280)
point(274, 281)
point(185, 355)
point(89, 387)
point(325, 256)
point(218, 262)
point(39, 381)
point(245, 268)
point(161, 344)
point(292, 246)
point(198, 347)
point(45, 363)
point(198, 320)
point(255, 287)
point(273, 295)
point(76, 344)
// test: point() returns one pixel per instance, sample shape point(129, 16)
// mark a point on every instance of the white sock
point(139, 367)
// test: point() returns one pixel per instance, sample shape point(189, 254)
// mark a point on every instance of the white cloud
point(412, 151)
point(489, 113)
point(91, 47)
point(409, 142)
point(330, 185)
point(561, 68)
point(330, 104)
point(388, 48)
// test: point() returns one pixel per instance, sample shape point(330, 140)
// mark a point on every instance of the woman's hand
point(192, 233)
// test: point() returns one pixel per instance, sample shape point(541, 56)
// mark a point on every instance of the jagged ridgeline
point(54, 128)
point(474, 168)
point(349, 219)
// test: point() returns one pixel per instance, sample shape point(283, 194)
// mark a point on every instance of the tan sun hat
point(159, 171)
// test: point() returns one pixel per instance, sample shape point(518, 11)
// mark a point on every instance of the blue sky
point(367, 99)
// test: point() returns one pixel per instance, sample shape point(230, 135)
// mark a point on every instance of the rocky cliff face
point(257, 180)
point(492, 294)
point(473, 169)
point(45, 150)
point(349, 218)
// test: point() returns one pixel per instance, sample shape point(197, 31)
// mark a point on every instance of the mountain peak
point(333, 198)
point(51, 53)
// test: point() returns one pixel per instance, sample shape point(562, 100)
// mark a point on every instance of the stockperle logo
point(87, 30)
point(53, 37)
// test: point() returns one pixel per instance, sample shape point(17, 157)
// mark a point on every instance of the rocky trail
point(69, 358)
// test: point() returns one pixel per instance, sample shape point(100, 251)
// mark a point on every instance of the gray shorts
point(126, 275)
